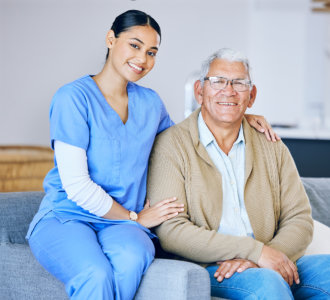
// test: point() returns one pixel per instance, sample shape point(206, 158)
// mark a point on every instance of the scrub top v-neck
point(117, 152)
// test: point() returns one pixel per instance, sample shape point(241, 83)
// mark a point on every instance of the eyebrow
point(136, 39)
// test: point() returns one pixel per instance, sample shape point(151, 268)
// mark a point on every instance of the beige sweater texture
point(275, 199)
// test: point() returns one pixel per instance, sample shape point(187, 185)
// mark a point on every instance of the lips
point(135, 68)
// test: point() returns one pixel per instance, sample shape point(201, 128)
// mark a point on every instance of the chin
point(135, 77)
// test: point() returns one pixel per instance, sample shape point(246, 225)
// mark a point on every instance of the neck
point(225, 133)
point(110, 82)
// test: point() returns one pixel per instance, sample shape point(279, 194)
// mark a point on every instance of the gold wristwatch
point(133, 215)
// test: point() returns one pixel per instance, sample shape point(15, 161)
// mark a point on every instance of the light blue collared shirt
point(234, 220)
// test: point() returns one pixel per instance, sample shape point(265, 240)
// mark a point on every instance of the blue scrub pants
point(94, 261)
point(314, 275)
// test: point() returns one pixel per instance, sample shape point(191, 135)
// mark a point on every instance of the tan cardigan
point(275, 199)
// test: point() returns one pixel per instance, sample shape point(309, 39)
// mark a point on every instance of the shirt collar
point(206, 137)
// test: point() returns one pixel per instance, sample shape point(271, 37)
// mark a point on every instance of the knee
point(272, 283)
point(138, 250)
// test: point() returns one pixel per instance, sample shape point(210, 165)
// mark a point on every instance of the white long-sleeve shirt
point(73, 170)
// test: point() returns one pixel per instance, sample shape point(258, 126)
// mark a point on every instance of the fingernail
point(216, 274)
point(298, 281)
point(219, 278)
point(181, 209)
point(239, 270)
point(227, 275)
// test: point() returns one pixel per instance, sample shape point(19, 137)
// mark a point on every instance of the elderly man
point(245, 206)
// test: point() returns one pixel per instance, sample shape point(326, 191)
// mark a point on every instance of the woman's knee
point(138, 250)
point(128, 244)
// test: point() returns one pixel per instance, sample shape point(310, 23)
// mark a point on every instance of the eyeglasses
point(220, 83)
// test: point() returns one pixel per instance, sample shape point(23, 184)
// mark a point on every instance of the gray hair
point(226, 54)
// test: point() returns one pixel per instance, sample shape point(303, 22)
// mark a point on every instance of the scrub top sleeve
point(69, 118)
point(165, 120)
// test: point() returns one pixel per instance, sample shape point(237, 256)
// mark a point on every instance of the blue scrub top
point(117, 153)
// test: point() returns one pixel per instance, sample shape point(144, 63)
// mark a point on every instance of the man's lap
point(251, 284)
point(256, 283)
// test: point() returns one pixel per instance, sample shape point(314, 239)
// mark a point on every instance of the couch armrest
point(175, 280)
point(321, 240)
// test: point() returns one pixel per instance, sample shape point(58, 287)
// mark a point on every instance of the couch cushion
point(16, 213)
point(22, 277)
point(318, 191)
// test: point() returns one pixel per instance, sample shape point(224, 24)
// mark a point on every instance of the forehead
point(225, 68)
point(146, 34)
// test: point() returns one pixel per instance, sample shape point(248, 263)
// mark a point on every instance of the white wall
point(286, 49)
point(44, 44)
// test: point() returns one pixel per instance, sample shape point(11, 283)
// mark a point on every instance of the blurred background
point(45, 44)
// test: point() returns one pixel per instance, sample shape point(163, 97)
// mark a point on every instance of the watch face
point(133, 215)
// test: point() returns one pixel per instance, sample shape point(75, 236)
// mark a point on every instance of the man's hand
point(279, 262)
point(228, 267)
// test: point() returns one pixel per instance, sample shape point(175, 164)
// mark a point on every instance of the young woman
point(91, 230)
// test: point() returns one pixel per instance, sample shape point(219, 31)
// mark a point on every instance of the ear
point(110, 39)
point(253, 95)
point(198, 91)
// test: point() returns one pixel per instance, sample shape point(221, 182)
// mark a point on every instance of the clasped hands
point(270, 259)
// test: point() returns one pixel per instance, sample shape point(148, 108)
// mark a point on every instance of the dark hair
point(132, 18)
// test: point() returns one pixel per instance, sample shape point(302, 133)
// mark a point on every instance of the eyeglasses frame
point(247, 82)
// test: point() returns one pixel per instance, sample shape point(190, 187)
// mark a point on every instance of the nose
point(142, 57)
point(228, 89)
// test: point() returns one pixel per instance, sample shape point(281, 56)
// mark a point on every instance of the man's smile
point(227, 103)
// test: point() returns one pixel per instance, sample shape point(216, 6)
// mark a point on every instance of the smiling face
point(224, 107)
point(133, 53)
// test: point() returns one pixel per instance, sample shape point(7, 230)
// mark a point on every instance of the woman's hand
point(152, 216)
point(229, 267)
point(261, 124)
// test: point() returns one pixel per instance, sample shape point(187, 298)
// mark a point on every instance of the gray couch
point(22, 278)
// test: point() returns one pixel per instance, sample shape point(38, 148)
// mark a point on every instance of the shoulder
point(177, 136)
point(75, 91)
point(76, 87)
point(260, 144)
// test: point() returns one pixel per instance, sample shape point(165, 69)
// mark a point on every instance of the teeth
point(227, 103)
point(135, 67)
